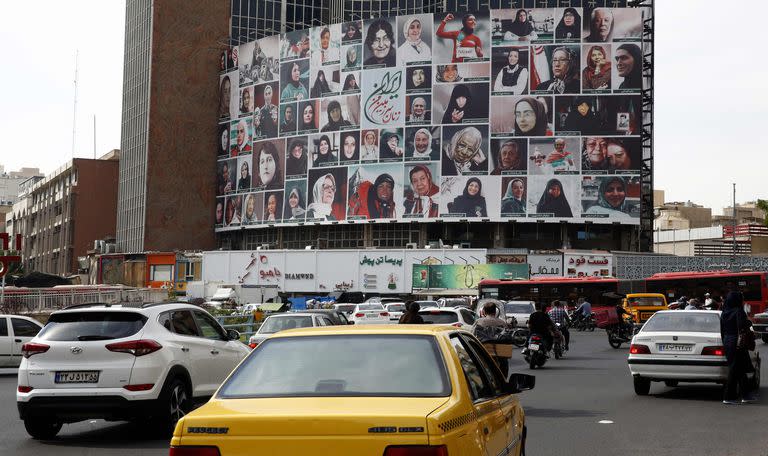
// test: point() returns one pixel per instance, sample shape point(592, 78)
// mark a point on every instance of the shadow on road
point(557, 413)
point(113, 436)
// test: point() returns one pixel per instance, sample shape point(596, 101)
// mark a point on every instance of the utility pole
point(733, 234)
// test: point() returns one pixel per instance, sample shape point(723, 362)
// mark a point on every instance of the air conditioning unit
point(111, 248)
point(411, 245)
point(102, 247)
point(466, 245)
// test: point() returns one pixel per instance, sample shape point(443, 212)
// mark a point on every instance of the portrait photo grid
point(513, 114)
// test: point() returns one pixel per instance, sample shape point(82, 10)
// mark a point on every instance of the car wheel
point(174, 402)
point(765, 338)
point(670, 383)
point(642, 386)
point(42, 428)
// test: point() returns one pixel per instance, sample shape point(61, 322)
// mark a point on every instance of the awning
point(271, 306)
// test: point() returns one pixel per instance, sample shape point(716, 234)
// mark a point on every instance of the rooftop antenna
point(74, 108)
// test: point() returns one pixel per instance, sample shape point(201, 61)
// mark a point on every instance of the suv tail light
point(637, 349)
point(536, 338)
point(194, 451)
point(384, 314)
point(31, 348)
point(416, 450)
point(359, 315)
point(717, 350)
point(135, 347)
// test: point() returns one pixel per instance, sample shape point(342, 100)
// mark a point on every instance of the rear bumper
point(680, 369)
point(78, 408)
point(760, 328)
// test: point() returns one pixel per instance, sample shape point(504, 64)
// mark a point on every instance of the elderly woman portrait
point(414, 49)
point(242, 139)
point(509, 158)
point(325, 204)
point(420, 113)
point(268, 160)
point(380, 44)
point(600, 25)
point(597, 74)
point(565, 72)
point(464, 154)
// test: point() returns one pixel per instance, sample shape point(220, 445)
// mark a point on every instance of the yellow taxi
point(643, 305)
point(400, 390)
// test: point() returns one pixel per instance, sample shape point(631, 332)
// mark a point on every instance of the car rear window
point(683, 321)
point(275, 324)
point(396, 308)
point(436, 317)
point(341, 365)
point(84, 326)
point(345, 308)
point(518, 308)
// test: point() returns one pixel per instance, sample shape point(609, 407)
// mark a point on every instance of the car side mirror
point(520, 382)
point(350, 322)
point(233, 335)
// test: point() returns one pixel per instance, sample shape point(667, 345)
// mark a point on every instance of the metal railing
point(50, 299)
point(246, 325)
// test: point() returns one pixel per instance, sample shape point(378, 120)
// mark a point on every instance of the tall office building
point(172, 49)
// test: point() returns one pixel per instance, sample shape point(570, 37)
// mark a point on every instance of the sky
point(703, 143)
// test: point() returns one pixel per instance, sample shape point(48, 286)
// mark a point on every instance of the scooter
point(537, 352)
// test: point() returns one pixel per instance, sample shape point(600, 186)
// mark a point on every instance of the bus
point(599, 291)
point(674, 285)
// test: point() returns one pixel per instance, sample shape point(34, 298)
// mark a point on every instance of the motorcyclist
point(488, 328)
point(490, 319)
point(623, 323)
point(558, 315)
point(583, 311)
point(540, 323)
point(693, 304)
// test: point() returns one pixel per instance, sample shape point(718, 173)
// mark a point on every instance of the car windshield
point(437, 317)
point(396, 308)
point(341, 365)
point(683, 321)
point(512, 308)
point(345, 307)
point(370, 307)
point(645, 301)
point(275, 324)
point(84, 326)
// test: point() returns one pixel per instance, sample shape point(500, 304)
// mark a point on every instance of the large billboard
point(530, 114)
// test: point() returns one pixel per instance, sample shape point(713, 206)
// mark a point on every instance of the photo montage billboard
point(530, 114)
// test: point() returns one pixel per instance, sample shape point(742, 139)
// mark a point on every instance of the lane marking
point(605, 422)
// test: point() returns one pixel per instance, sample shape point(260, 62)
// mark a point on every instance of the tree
point(763, 206)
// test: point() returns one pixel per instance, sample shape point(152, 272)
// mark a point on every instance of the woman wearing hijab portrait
point(249, 210)
point(353, 58)
point(531, 118)
point(272, 207)
point(224, 139)
point(513, 201)
point(582, 117)
point(324, 156)
point(225, 97)
point(350, 147)
point(569, 27)
point(513, 77)
point(335, 118)
point(509, 158)
point(463, 38)
point(448, 73)
point(553, 200)
point(288, 125)
point(380, 40)
point(422, 145)
point(351, 32)
point(460, 107)
point(350, 84)
point(390, 146)
point(597, 74)
point(294, 208)
point(324, 205)
point(370, 147)
point(633, 78)
point(296, 162)
point(413, 48)
point(308, 119)
point(294, 89)
point(464, 153)
point(246, 181)
point(320, 86)
point(612, 199)
point(521, 29)
point(268, 160)
point(418, 78)
point(233, 211)
point(565, 73)
point(471, 202)
point(374, 200)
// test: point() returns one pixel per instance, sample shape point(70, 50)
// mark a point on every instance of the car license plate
point(77, 377)
point(675, 347)
point(534, 347)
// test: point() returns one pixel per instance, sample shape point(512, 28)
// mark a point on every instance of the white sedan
point(681, 346)
point(395, 310)
point(520, 310)
point(460, 317)
point(370, 313)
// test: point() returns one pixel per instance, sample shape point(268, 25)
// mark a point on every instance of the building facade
point(61, 215)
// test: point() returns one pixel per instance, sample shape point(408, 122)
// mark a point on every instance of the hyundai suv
point(119, 362)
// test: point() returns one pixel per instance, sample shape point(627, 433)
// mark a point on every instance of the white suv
point(123, 363)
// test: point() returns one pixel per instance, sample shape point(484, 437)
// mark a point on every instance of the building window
point(394, 235)
point(161, 273)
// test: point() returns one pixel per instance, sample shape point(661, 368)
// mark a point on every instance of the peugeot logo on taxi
point(76, 350)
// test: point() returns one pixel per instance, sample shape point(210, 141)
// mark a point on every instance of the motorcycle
point(519, 337)
point(537, 352)
point(619, 334)
point(582, 323)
